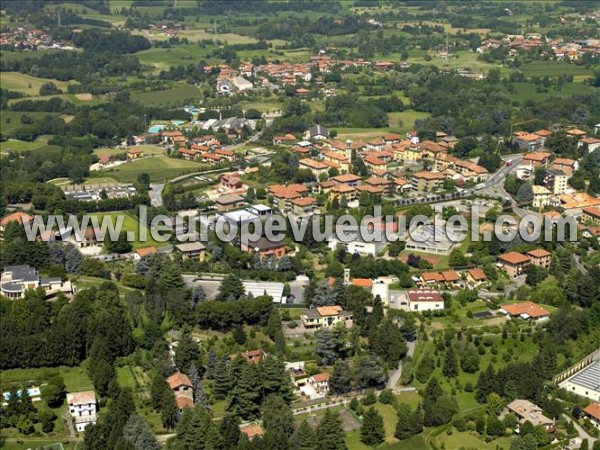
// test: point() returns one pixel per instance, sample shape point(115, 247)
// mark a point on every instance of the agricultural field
point(160, 168)
point(11, 120)
point(23, 146)
point(27, 84)
point(163, 58)
point(554, 69)
point(177, 94)
point(112, 151)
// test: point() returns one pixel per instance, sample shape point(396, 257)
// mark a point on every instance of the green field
point(27, 84)
point(177, 94)
point(160, 168)
point(131, 223)
point(22, 146)
point(76, 378)
point(112, 151)
point(469, 439)
point(11, 120)
point(554, 69)
point(163, 58)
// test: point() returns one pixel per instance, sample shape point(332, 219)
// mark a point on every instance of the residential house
point(591, 214)
point(316, 167)
point(317, 132)
point(211, 158)
point(18, 217)
point(251, 356)
point(320, 383)
point(342, 190)
point(134, 153)
point(288, 139)
point(252, 430)
point(556, 181)
point(542, 197)
point(537, 159)
point(229, 201)
point(304, 206)
point(433, 150)
point(144, 251)
point(391, 138)
point(83, 408)
point(340, 161)
point(225, 154)
point(355, 243)
point(190, 155)
point(568, 166)
point(528, 141)
point(592, 411)
point(426, 181)
point(525, 311)
point(540, 257)
point(284, 194)
point(375, 163)
point(264, 247)
point(16, 280)
point(591, 143)
point(383, 183)
point(192, 250)
point(513, 263)
point(529, 412)
point(298, 374)
point(326, 317)
point(348, 179)
point(231, 182)
point(424, 300)
point(183, 390)
point(476, 276)
point(576, 133)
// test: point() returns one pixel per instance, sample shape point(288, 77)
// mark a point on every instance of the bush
point(387, 397)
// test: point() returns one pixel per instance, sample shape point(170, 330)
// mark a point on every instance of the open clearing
point(27, 84)
point(158, 167)
point(177, 94)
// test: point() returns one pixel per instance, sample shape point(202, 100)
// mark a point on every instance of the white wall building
point(83, 408)
point(585, 383)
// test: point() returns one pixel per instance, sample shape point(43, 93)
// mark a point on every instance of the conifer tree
point(372, 431)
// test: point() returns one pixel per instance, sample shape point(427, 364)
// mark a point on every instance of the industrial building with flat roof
point(585, 383)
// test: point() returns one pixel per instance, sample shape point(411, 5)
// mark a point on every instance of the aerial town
point(300, 225)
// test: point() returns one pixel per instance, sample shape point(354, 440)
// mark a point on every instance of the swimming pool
point(156, 128)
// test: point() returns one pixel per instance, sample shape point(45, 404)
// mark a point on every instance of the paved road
point(156, 194)
point(396, 374)
point(583, 434)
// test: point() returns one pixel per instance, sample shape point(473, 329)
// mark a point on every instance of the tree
point(340, 381)
point(450, 369)
point(47, 418)
point(211, 364)
point(187, 353)
point(425, 368)
point(326, 346)
point(277, 416)
point(137, 432)
point(527, 442)
point(409, 422)
point(368, 371)
point(121, 245)
point(457, 258)
point(525, 193)
point(198, 295)
point(222, 379)
point(330, 435)
point(495, 404)
point(305, 437)
point(372, 431)
point(231, 288)
point(230, 430)
point(53, 393)
point(239, 335)
point(388, 341)
point(168, 409)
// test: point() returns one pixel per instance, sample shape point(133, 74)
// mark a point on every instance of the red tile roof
point(178, 379)
point(529, 308)
point(593, 410)
point(513, 258)
point(18, 216)
point(539, 253)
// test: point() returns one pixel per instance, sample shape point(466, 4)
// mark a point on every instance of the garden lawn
point(469, 439)
point(131, 223)
point(76, 378)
